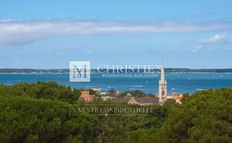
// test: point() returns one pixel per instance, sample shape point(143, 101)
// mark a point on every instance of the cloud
point(204, 43)
point(215, 38)
point(23, 32)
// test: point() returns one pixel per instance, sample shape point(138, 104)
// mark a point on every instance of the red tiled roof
point(86, 96)
point(177, 96)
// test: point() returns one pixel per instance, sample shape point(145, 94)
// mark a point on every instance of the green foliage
point(135, 93)
point(92, 92)
point(46, 90)
point(47, 112)
point(24, 119)
point(204, 117)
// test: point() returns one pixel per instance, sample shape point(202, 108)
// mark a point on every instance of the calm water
point(177, 82)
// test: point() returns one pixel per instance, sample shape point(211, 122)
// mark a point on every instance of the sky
point(47, 34)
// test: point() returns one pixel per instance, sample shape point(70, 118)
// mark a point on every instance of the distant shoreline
point(66, 71)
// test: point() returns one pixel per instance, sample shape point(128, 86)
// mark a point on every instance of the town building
point(163, 95)
point(97, 90)
point(86, 96)
point(176, 97)
point(162, 87)
point(116, 93)
point(107, 97)
point(120, 100)
point(143, 101)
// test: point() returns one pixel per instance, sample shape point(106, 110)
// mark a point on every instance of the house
point(106, 97)
point(86, 96)
point(176, 96)
point(143, 101)
point(120, 100)
point(128, 95)
point(116, 93)
point(97, 90)
point(103, 93)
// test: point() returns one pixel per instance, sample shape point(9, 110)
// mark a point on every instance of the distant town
point(134, 97)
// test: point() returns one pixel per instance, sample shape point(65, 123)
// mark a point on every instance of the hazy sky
point(178, 33)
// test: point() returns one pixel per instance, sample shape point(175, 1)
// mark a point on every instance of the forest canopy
point(46, 112)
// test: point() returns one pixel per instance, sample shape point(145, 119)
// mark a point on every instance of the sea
point(176, 82)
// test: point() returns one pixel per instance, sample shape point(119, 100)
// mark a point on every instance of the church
point(160, 98)
point(163, 95)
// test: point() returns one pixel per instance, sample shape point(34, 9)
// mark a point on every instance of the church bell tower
point(162, 86)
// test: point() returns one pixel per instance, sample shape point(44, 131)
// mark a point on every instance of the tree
point(24, 119)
